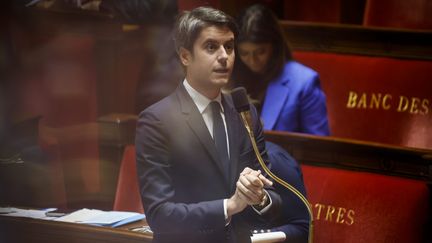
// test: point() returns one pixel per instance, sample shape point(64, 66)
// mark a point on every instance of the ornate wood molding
point(359, 40)
point(356, 155)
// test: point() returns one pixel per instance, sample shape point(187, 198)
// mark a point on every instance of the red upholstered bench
point(363, 207)
point(127, 196)
point(385, 100)
point(348, 206)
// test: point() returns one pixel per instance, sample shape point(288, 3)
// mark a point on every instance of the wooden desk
point(356, 155)
point(13, 229)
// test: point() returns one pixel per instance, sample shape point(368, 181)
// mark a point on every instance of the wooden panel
point(356, 155)
point(359, 40)
point(413, 14)
point(332, 152)
point(41, 231)
point(339, 38)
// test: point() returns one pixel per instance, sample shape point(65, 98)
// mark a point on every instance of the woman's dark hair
point(258, 24)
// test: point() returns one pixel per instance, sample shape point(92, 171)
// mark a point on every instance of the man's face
point(210, 65)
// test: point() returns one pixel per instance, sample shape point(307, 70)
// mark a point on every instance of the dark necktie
point(219, 135)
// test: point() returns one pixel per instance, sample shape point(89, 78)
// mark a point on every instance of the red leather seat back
point(313, 10)
point(378, 99)
point(348, 206)
point(363, 207)
point(127, 195)
point(413, 14)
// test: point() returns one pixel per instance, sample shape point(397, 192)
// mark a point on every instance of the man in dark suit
point(198, 175)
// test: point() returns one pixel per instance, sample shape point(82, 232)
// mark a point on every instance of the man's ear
point(185, 56)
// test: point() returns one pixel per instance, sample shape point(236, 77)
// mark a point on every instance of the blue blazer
point(182, 180)
point(295, 102)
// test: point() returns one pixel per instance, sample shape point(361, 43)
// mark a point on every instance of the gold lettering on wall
point(375, 102)
point(362, 102)
point(414, 105)
point(352, 97)
point(338, 215)
point(425, 107)
point(330, 212)
point(386, 99)
point(350, 216)
point(320, 207)
point(403, 104)
point(339, 218)
point(380, 101)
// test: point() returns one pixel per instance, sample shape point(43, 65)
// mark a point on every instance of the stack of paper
point(26, 213)
point(101, 218)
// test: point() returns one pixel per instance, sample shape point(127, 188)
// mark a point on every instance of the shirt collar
point(200, 100)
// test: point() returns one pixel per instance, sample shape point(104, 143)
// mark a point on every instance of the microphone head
point(240, 99)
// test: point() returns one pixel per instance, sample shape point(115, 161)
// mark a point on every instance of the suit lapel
point(276, 94)
point(198, 126)
point(232, 121)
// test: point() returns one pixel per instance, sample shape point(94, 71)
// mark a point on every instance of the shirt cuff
point(266, 208)
point(227, 220)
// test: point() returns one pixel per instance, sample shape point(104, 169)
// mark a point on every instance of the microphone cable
point(242, 106)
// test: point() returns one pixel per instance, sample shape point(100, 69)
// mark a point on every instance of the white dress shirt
point(202, 104)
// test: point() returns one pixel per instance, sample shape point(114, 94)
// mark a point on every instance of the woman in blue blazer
point(287, 93)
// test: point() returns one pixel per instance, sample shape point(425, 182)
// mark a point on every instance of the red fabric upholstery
point(403, 119)
point(413, 14)
point(365, 207)
point(348, 206)
point(127, 196)
point(313, 10)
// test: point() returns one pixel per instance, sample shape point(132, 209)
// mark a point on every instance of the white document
point(6, 210)
point(108, 218)
point(80, 216)
point(83, 216)
point(268, 237)
point(99, 217)
point(26, 213)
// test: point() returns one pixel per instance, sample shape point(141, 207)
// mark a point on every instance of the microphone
point(240, 99)
point(241, 103)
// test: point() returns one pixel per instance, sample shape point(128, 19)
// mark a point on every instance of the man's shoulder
point(163, 107)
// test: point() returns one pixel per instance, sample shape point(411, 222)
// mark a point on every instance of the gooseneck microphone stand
point(242, 106)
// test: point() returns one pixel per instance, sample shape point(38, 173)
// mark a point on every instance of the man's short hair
point(189, 25)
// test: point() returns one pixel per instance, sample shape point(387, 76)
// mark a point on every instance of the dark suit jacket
point(294, 220)
point(181, 178)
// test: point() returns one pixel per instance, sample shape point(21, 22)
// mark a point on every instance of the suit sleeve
point(157, 189)
point(275, 208)
point(294, 220)
point(313, 109)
